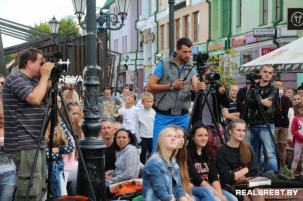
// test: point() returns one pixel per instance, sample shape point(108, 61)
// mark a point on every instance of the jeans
point(260, 136)
point(164, 120)
point(146, 146)
point(202, 193)
point(7, 185)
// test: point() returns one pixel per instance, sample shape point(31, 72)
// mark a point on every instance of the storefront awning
point(288, 58)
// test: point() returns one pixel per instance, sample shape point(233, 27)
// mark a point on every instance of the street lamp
point(92, 146)
point(79, 7)
point(69, 40)
point(109, 21)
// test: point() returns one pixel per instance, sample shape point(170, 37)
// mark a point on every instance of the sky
point(29, 12)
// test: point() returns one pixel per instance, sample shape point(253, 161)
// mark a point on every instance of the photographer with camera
point(172, 88)
point(23, 93)
point(258, 132)
point(216, 100)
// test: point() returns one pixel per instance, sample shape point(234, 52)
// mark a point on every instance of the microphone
point(57, 54)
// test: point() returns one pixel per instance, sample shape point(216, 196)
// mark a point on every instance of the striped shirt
point(22, 121)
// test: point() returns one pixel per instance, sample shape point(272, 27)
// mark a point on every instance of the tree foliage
point(224, 66)
point(66, 25)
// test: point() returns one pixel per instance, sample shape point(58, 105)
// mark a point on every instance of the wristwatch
point(171, 88)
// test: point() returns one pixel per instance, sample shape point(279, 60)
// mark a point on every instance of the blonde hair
point(161, 147)
point(147, 95)
point(131, 93)
point(59, 137)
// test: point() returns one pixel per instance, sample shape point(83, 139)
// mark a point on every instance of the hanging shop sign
point(249, 38)
point(267, 50)
point(295, 19)
point(216, 47)
point(266, 32)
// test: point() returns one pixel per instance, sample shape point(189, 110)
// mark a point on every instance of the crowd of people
point(144, 133)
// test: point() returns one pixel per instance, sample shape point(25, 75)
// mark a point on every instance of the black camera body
point(251, 76)
point(212, 76)
point(200, 58)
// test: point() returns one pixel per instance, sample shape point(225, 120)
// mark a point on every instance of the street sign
point(267, 32)
point(295, 19)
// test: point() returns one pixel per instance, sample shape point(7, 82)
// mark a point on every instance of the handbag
point(126, 188)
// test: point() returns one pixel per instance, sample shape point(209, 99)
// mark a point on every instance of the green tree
point(10, 57)
point(66, 25)
point(223, 65)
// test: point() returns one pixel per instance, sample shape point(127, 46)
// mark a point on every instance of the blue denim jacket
point(158, 179)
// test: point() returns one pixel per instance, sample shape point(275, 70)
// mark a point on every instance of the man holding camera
point(172, 92)
point(23, 117)
point(257, 129)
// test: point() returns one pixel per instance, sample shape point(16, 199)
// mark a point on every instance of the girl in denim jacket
point(161, 174)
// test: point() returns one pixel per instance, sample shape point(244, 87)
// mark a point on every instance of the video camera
point(58, 69)
point(251, 76)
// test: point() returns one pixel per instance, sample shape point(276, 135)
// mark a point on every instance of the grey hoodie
point(127, 164)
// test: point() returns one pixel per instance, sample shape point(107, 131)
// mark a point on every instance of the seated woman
point(127, 158)
point(236, 159)
point(201, 163)
point(161, 174)
point(198, 193)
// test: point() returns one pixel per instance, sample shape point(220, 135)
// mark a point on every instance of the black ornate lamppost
point(109, 21)
point(92, 146)
point(171, 15)
point(69, 40)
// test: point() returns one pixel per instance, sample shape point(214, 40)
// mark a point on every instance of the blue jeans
point(229, 196)
point(164, 120)
point(7, 185)
point(202, 193)
point(260, 136)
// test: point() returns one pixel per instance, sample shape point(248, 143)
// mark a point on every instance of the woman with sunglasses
point(161, 174)
point(127, 158)
point(201, 163)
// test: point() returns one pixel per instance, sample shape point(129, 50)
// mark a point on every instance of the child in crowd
point(297, 132)
point(296, 98)
point(128, 113)
point(71, 164)
point(144, 125)
point(62, 145)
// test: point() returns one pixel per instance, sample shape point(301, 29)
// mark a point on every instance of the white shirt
point(129, 117)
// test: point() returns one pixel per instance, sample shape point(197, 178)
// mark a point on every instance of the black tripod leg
point(72, 131)
point(43, 129)
point(196, 107)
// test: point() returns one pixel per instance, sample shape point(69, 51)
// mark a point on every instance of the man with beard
point(171, 87)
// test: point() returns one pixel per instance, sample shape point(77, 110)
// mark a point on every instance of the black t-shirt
point(228, 160)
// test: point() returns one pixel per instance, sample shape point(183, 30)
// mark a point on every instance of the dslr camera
point(212, 76)
point(251, 76)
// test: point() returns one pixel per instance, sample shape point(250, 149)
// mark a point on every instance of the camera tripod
point(53, 120)
point(199, 104)
point(254, 91)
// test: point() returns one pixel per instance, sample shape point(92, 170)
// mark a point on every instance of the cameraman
point(23, 118)
point(257, 130)
point(221, 100)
